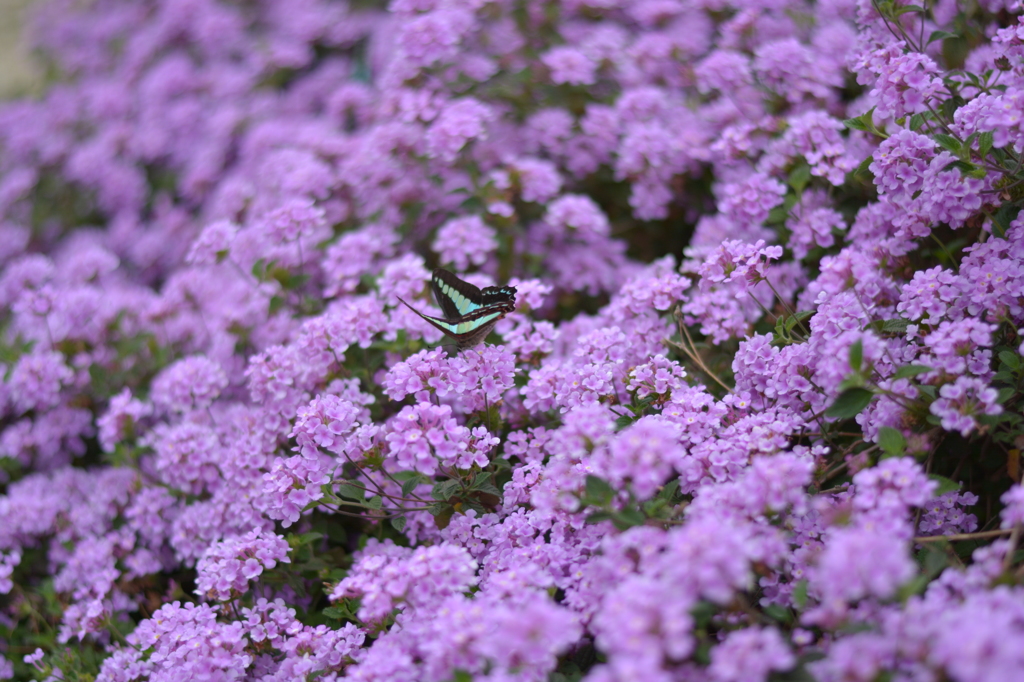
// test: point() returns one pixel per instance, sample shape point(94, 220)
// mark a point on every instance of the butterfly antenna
point(406, 304)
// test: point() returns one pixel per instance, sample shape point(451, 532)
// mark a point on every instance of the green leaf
point(940, 35)
point(599, 491)
point(259, 268)
point(597, 517)
point(945, 485)
point(799, 177)
point(863, 170)
point(852, 381)
point(1010, 359)
point(335, 613)
point(398, 523)
point(778, 613)
point(623, 421)
point(482, 480)
point(444, 490)
point(442, 514)
point(858, 124)
point(985, 141)
point(777, 215)
point(968, 170)
point(856, 356)
point(907, 371)
point(891, 441)
point(410, 485)
point(948, 142)
point(669, 490)
point(375, 502)
point(907, 9)
point(798, 674)
point(628, 518)
point(1006, 214)
point(933, 559)
point(849, 403)
point(916, 121)
point(862, 173)
point(800, 595)
point(863, 122)
point(351, 492)
point(897, 325)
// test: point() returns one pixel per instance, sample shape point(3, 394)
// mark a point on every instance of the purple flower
point(292, 483)
point(735, 261)
point(122, 419)
point(724, 70)
point(750, 201)
point(963, 400)
point(423, 437)
point(570, 66)
point(8, 562)
point(900, 164)
point(228, 566)
point(189, 384)
point(750, 655)
point(386, 577)
point(473, 380)
point(188, 456)
point(419, 375)
point(793, 70)
point(641, 457)
point(814, 228)
point(36, 380)
point(465, 241)
point(1013, 512)
point(181, 640)
point(945, 516)
point(461, 122)
point(814, 135)
point(857, 562)
point(431, 37)
point(354, 255)
point(539, 180)
point(213, 243)
point(577, 213)
point(892, 487)
point(902, 82)
point(955, 346)
point(325, 423)
point(660, 377)
point(928, 295)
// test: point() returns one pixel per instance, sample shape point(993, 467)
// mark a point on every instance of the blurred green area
point(18, 74)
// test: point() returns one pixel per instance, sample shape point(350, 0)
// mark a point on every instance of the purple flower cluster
point(230, 564)
point(767, 348)
point(389, 577)
point(425, 437)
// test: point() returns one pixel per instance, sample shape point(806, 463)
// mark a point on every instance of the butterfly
point(470, 313)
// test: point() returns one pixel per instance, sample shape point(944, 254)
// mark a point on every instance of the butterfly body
point(470, 313)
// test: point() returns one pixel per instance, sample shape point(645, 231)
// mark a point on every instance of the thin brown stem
point(963, 536)
point(691, 352)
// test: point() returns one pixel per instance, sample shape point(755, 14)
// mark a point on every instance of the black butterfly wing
point(469, 313)
point(456, 297)
point(470, 329)
point(494, 295)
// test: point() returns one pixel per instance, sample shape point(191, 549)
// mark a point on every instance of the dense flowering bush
point(757, 415)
